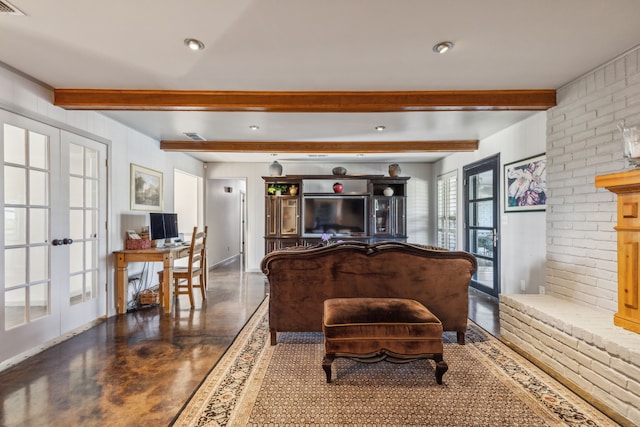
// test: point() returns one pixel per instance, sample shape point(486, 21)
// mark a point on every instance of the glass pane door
point(481, 222)
point(84, 299)
point(53, 263)
point(26, 222)
point(29, 299)
point(399, 215)
point(83, 191)
point(289, 216)
point(381, 211)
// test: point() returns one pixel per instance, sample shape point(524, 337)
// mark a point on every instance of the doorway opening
point(226, 217)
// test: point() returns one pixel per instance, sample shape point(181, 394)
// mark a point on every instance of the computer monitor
point(163, 226)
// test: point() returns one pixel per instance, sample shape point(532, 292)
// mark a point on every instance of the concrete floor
point(140, 368)
point(484, 311)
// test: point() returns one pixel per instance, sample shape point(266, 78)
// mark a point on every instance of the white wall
point(419, 194)
point(23, 96)
point(187, 202)
point(583, 142)
point(522, 234)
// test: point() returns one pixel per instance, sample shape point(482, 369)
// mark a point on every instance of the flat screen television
point(163, 226)
point(337, 215)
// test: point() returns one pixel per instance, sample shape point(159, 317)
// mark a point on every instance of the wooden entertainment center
point(299, 209)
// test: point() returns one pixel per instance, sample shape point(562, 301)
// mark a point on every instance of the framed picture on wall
point(525, 184)
point(146, 189)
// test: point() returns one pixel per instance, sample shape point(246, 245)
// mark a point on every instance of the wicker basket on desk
point(147, 297)
point(138, 244)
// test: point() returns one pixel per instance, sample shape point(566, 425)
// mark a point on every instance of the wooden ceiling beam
point(304, 102)
point(319, 147)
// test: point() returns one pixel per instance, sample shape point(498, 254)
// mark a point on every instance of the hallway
point(140, 368)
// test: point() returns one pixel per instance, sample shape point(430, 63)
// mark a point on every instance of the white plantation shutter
point(448, 210)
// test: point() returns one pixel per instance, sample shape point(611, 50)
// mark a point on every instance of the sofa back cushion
point(301, 280)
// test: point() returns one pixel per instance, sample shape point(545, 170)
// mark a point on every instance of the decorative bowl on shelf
point(339, 170)
point(388, 191)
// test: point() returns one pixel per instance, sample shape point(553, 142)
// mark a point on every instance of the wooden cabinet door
point(289, 216)
point(399, 216)
point(271, 217)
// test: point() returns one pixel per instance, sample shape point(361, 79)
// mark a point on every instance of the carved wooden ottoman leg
point(327, 360)
point(441, 367)
point(273, 334)
point(460, 336)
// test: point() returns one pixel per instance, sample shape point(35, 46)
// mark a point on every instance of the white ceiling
point(310, 45)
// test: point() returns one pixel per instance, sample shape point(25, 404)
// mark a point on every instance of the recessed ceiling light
point(443, 47)
point(380, 128)
point(194, 44)
point(254, 127)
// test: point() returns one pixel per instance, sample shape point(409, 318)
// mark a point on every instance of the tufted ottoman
point(373, 329)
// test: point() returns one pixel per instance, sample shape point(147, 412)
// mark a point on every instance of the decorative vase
point(388, 191)
point(293, 190)
point(394, 169)
point(631, 139)
point(275, 169)
point(337, 187)
point(339, 170)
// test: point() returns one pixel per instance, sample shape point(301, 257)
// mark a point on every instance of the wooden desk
point(164, 255)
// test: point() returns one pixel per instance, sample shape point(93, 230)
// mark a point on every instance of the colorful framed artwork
point(146, 189)
point(525, 184)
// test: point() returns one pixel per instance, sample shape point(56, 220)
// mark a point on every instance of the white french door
point(54, 250)
point(84, 295)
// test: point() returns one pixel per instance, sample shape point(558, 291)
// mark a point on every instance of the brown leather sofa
point(301, 279)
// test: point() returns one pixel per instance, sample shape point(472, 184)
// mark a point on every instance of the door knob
point(65, 241)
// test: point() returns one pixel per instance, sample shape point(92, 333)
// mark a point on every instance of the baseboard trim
point(224, 262)
point(6, 364)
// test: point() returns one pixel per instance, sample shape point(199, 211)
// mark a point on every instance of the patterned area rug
point(487, 384)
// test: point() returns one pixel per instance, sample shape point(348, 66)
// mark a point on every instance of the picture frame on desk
point(525, 184)
point(146, 189)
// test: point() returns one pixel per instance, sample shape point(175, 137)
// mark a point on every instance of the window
point(448, 210)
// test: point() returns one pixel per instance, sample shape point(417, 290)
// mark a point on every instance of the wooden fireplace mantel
point(627, 186)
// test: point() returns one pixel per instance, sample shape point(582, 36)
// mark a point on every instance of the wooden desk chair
point(183, 277)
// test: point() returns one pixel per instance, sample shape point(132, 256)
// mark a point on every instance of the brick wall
point(579, 346)
point(570, 333)
point(583, 141)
